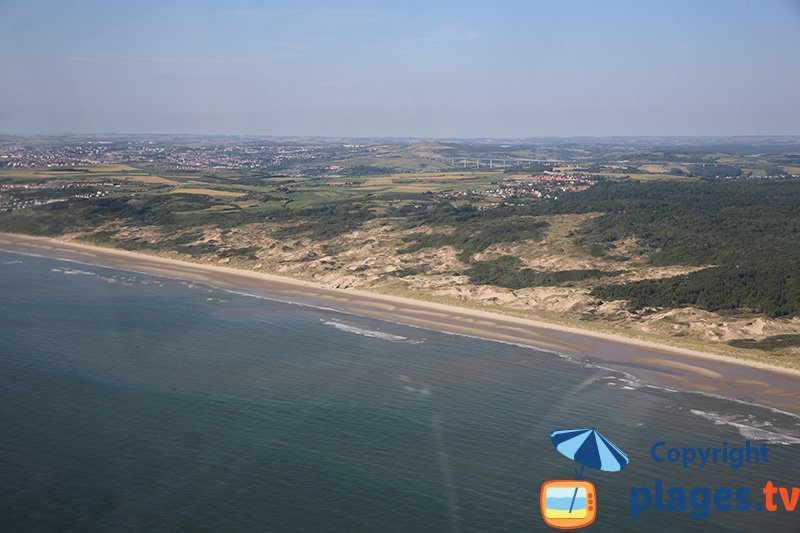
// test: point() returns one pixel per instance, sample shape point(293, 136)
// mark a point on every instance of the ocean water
point(130, 402)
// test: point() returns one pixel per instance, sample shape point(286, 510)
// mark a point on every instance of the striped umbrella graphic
point(589, 448)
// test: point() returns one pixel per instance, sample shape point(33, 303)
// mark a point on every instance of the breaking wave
point(749, 427)
point(369, 332)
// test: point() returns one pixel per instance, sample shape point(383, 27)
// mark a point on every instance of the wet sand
point(651, 363)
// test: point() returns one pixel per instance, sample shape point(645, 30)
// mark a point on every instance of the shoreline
point(652, 363)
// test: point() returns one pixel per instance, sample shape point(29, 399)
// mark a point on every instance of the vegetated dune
point(373, 257)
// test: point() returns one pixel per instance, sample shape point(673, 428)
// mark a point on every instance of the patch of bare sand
point(714, 327)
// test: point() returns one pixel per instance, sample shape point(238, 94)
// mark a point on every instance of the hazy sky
point(401, 68)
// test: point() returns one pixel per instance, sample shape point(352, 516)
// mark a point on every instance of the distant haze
point(410, 68)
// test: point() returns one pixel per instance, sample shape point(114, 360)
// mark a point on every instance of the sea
point(131, 402)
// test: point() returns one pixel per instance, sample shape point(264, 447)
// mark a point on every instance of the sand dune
point(660, 365)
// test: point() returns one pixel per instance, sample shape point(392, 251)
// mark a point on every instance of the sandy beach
point(664, 366)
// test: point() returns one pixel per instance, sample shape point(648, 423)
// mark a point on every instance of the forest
point(745, 232)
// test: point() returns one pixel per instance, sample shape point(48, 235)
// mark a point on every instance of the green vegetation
point(321, 223)
point(505, 272)
point(471, 239)
point(701, 223)
point(410, 271)
point(748, 230)
point(712, 171)
point(773, 290)
point(86, 214)
point(769, 344)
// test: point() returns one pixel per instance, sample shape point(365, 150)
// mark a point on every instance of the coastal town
point(189, 155)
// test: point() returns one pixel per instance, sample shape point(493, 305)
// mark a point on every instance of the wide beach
point(654, 364)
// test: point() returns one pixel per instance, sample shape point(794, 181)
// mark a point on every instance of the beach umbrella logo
point(572, 504)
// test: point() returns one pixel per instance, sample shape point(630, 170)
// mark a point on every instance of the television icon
point(568, 504)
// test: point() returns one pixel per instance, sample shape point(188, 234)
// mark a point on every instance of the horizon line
point(408, 137)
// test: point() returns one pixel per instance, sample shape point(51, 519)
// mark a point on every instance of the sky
point(452, 68)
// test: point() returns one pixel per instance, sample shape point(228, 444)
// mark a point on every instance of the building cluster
point(244, 155)
point(16, 196)
point(541, 186)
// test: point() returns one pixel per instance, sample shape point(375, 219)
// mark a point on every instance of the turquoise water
point(131, 402)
